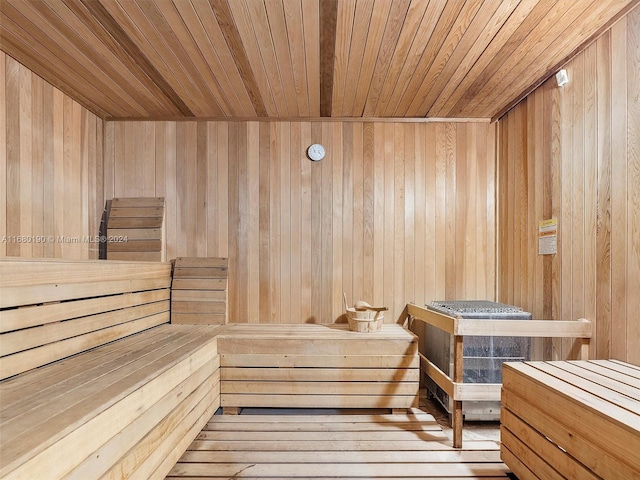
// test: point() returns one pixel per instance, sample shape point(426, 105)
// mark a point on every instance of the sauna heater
point(482, 356)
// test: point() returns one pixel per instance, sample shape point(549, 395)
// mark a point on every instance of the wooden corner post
point(457, 378)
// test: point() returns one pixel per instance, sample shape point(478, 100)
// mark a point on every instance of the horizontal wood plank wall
point(51, 166)
point(574, 153)
point(395, 213)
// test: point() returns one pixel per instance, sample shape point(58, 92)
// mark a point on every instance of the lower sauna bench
point(95, 382)
point(571, 419)
point(317, 366)
point(124, 410)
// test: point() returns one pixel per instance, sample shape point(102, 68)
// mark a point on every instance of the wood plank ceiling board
point(239, 54)
point(455, 89)
point(395, 21)
point(537, 55)
point(82, 28)
point(287, 59)
point(410, 62)
point(363, 11)
point(491, 60)
point(248, 39)
point(279, 28)
point(461, 35)
point(344, 34)
point(408, 39)
point(13, 42)
point(209, 40)
point(99, 23)
point(374, 37)
point(232, 63)
point(135, 26)
point(257, 16)
point(18, 30)
point(175, 45)
point(445, 22)
point(546, 63)
point(475, 37)
point(311, 26)
point(293, 17)
point(554, 25)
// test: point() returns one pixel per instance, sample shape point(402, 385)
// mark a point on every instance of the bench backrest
point(135, 229)
point(51, 309)
point(199, 290)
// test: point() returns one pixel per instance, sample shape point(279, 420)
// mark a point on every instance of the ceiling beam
point(328, 23)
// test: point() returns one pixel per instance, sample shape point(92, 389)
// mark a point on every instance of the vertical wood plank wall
point(396, 212)
point(573, 153)
point(50, 169)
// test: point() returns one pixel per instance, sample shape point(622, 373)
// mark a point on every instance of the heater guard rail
point(459, 327)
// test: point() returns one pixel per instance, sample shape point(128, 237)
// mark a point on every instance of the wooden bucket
point(366, 321)
point(363, 320)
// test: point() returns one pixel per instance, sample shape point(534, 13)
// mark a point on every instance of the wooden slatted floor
point(397, 446)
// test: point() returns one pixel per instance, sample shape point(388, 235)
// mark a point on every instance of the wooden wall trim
point(306, 119)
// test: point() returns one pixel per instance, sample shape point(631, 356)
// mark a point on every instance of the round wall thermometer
point(315, 152)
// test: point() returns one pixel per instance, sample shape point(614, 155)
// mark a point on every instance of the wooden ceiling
point(300, 58)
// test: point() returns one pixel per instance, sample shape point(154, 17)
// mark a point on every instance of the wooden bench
point(317, 366)
point(575, 419)
point(95, 382)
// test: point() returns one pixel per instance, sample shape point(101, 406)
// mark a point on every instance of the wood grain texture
point(582, 141)
point(348, 447)
point(298, 233)
point(135, 226)
point(231, 59)
point(633, 163)
point(51, 165)
point(328, 19)
point(83, 324)
point(100, 392)
point(199, 290)
point(553, 439)
point(256, 351)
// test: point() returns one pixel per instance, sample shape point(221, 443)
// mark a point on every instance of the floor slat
point(334, 446)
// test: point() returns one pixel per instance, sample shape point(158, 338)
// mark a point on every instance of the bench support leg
point(400, 411)
point(457, 404)
point(231, 410)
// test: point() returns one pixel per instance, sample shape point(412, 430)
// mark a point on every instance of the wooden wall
point(396, 212)
point(50, 169)
point(573, 153)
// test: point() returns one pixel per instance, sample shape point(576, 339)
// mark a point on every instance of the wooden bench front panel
point(124, 410)
point(318, 366)
point(52, 309)
point(575, 419)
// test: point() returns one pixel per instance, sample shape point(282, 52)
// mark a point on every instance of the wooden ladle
point(362, 306)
